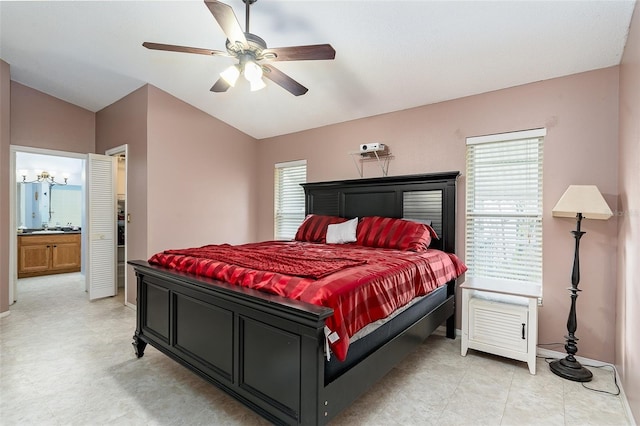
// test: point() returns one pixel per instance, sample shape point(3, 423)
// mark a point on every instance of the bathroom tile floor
point(67, 361)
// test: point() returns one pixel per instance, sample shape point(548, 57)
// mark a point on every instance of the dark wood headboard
point(426, 196)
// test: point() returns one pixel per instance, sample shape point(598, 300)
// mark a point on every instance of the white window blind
point(504, 207)
point(289, 198)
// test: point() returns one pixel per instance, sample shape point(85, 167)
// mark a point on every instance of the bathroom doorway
point(45, 194)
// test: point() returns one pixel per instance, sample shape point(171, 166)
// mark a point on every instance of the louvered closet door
point(101, 226)
point(498, 324)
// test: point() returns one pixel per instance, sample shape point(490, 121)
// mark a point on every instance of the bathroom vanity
point(44, 253)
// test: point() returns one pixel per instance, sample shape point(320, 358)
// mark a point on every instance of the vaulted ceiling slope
point(391, 55)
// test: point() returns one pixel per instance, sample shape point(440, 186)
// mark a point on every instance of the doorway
point(45, 193)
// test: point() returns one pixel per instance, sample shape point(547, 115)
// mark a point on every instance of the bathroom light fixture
point(43, 177)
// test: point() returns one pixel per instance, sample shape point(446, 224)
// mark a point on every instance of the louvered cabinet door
point(499, 325)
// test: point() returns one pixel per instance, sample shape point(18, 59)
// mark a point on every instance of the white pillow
point(340, 233)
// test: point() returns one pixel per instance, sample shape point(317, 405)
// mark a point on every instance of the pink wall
point(628, 291)
point(580, 113)
point(42, 121)
point(5, 141)
point(191, 177)
point(125, 122)
point(202, 178)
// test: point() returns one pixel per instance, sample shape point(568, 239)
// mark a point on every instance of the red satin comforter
point(361, 284)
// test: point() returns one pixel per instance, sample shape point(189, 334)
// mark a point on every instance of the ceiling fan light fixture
point(252, 72)
point(230, 75)
point(257, 85)
point(251, 51)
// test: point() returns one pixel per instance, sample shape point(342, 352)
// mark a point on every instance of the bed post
point(449, 228)
point(138, 344)
point(451, 321)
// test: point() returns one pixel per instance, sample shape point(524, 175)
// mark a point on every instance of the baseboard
point(130, 305)
point(548, 353)
point(5, 313)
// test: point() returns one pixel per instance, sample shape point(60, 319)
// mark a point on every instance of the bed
point(268, 351)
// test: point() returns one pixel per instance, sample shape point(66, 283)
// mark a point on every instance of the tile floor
point(67, 361)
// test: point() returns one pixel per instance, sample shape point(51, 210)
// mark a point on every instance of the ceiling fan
point(252, 53)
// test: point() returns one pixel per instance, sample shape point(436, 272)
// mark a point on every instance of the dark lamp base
point(571, 370)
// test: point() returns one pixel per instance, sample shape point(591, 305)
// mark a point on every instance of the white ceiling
point(391, 55)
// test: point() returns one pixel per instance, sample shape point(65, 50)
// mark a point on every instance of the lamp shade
point(584, 199)
point(230, 75)
point(257, 85)
point(252, 71)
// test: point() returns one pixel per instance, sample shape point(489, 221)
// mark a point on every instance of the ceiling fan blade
point(284, 81)
point(302, 53)
point(184, 49)
point(220, 86)
point(225, 17)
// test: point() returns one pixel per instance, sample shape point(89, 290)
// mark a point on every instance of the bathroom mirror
point(40, 204)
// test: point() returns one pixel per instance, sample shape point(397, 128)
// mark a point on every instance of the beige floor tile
point(67, 361)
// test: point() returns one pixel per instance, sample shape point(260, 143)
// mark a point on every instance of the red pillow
point(314, 228)
point(399, 234)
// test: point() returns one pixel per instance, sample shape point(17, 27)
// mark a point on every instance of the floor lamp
point(581, 202)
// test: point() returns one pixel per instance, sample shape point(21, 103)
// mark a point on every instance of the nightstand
point(501, 319)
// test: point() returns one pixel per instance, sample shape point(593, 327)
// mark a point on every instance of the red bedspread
point(361, 284)
point(300, 264)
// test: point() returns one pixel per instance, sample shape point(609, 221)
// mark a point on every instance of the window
point(289, 198)
point(504, 207)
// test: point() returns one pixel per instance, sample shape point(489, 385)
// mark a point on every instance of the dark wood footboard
point(263, 350)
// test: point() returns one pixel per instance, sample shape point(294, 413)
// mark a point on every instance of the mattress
point(382, 333)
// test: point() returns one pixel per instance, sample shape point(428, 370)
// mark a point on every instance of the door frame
point(13, 235)
point(114, 152)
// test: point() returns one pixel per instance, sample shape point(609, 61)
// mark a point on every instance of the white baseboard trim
point(548, 353)
point(5, 313)
point(130, 305)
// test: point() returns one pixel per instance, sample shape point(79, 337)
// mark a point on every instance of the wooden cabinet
point(48, 254)
point(33, 259)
